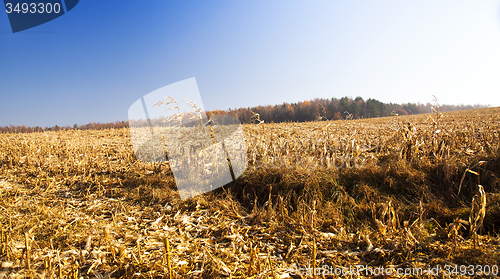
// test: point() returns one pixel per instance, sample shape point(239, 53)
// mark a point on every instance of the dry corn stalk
point(477, 213)
point(478, 164)
point(27, 251)
point(167, 255)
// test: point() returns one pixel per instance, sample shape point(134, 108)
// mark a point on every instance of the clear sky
point(93, 63)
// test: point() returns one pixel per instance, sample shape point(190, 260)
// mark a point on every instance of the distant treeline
point(89, 126)
point(313, 110)
point(335, 109)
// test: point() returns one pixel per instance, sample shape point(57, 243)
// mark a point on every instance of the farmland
point(398, 192)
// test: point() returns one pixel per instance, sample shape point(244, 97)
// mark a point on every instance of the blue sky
point(93, 63)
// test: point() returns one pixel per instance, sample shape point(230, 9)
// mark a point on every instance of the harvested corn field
point(318, 199)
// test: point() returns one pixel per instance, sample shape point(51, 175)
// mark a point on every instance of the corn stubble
point(413, 191)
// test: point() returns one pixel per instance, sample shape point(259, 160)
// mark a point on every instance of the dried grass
point(380, 192)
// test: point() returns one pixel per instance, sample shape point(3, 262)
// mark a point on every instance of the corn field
point(402, 192)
